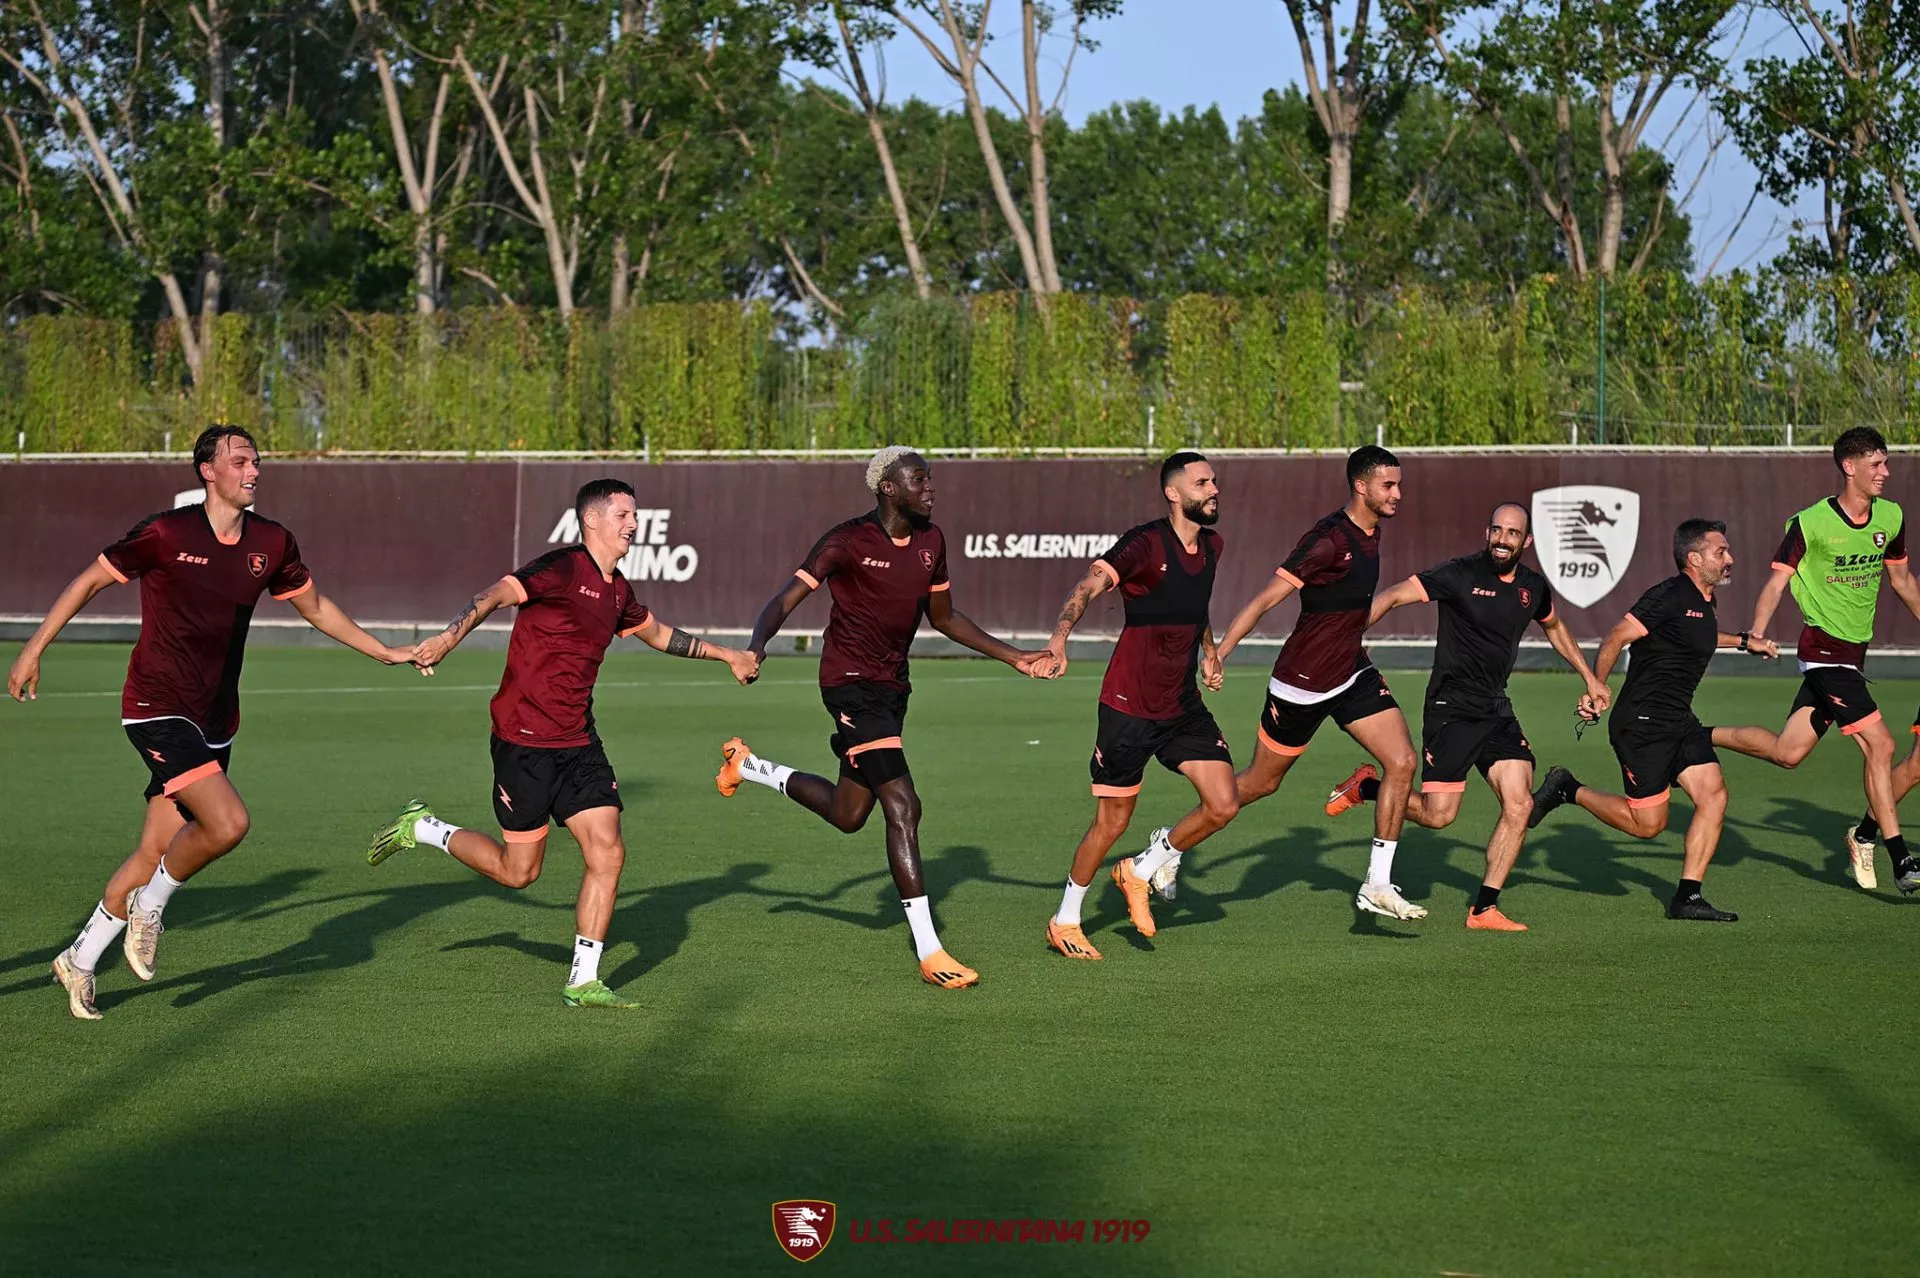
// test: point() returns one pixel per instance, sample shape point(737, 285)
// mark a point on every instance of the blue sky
point(1177, 53)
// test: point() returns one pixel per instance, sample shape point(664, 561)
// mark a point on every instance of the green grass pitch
point(348, 1070)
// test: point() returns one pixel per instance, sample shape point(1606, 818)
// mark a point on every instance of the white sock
point(1380, 867)
point(436, 833)
point(1069, 915)
point(1158, 853)
point(159, 889)
point(926, 941)
point(95, 937)
point(766, 772)
point(586, 960)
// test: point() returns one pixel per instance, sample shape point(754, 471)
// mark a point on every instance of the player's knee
point(1220, 809)
point(607, 858)
point(523, 875)
point(1516, 809)
point(1648, 823)
point(1399, 765)
point(227, 827)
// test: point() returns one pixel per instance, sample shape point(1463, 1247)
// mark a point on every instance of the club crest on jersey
point(1880, 540)
point(1526, 597)
point(803, 1227)
point(1585, 538)
point(257, 564)
point(926, 559)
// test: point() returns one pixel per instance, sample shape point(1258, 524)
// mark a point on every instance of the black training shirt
point(1482, 619)
point(1670, 659)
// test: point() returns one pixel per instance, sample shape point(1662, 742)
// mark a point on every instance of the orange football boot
point(1138, 891)
point(732, 755)
point(1347, 793)
point(942, 969)
point(1070, 940)
point(1492, 920)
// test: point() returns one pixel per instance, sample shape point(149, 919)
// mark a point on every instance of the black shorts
point(1838, 694)
point(177, 755)
point(1124, 742)
point(1287, 726)
point(1452, 747)
point(534, 783)
point(870, 721)
point(1652, 759)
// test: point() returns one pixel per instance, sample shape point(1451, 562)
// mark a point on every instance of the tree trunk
point(1613, 186)
point(1339, 196)
point(1036, 120)
point(211, 269)
point(876, 129)
point(1563, 179)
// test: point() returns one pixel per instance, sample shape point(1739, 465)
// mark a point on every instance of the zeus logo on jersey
point(650, 558)
point(1585, 535)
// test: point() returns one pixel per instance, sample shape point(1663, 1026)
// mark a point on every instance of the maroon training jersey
point(1167, 592)
point(880, 587)
point(196, 602)
point(569, 614)
point(1335, 567)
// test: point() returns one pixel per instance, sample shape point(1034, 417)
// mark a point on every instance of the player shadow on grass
point(213, 904)
point(338, 941)
point(658, 919)
point(943, 872)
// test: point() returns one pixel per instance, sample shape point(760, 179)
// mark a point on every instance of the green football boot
point(594, 994)
point(397, 837)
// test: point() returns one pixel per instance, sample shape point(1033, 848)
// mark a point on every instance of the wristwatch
point(1744, 636)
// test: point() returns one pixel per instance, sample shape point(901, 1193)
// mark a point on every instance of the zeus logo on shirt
point(1486, 594)
point(1697, 616)
point(650, 558)
point(876, 563)
point(591, 594)
point(184, 558)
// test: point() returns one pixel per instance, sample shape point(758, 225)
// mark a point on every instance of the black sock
point(1489, 897)
point(1868, 830)
point(1369, 790)
point(1688, 889)
point(1897, 849)
point(1570, 788)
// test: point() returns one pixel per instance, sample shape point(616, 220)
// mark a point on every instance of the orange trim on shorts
point(813, 582)
point(114, 572)
point(187, 778)
point(300, 589)
point(884, 743)
point(1652, 800)
point(1420, 586)
point(1117, 791)
point(1443, 787)
point(518, 587)
point(1297, 583)
point(941, 585)
point(1101, 565)
point(523, 836)
point(1860, 725)
point(1292, 752)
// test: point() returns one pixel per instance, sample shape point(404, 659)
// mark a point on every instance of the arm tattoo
point(1076, 607)
point(685, 644)
point(466, 615)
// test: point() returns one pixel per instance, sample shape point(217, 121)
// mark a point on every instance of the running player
point(1832, 557)
point(1486, 601)
point(548, 763)
point(202, 569)
point(886, 570)
point(1653, 730)
point(1323, 671)
point(1150, 706)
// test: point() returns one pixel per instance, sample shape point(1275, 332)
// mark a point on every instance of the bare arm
point(1098, 581)
point(1769, 600)
point(23, 679)
point(1900, 577)
point(1213, 671)
point(1765, 649)
point(1624, 632)
point(960, 628)
point(1407, 592)
point(1597, 696)
point(661, 637)
point(1259, 606)
point(504, 593)
point(775, 615)
point(324, 615)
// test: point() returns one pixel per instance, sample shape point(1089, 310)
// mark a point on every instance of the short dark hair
point(1519, 506)
point(1177, 463)
point(1362, 462)
point(1688, 536)
point(1861, 441)
point(208, 444)
point(595, 491)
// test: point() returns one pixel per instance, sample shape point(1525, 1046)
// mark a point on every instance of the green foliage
point(1728, 360)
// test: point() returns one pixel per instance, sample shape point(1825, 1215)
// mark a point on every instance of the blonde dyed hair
point(883, 462)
